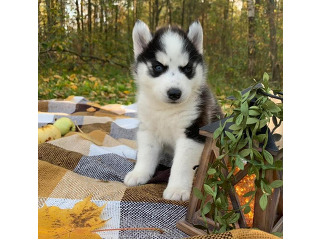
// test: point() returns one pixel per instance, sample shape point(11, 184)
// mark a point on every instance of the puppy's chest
point(168, 126)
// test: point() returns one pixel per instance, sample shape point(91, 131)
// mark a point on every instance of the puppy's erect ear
point(141, 36)
point(195, 35)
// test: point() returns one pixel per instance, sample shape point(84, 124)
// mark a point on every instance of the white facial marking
point(174, 49)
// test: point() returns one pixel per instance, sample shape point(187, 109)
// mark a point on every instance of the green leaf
point(220, 156)
point(245, 96)
point(278, 164)
point(211, 171)
point(254, 170)
point(230, 136)
point(218, 202)
point(267, 156)
point(246, 210)
point(244, 108)
point(253, 112)
point(245, 152)
point(278, 234)
point(252, 120)
point(234, 218)
point(265, 78)
point(263, 201)
point(209, 190)
point(266, 188)
point(254, 108)
point(198, 193)
point(261, 137)
point(239, 119)
point(242, 143)
point(239, 163)
point(235, 127)
point(271, 106)
point(237, 94)
point(223, 229)
point(206, 208)
point(276, 183)
point(248, 194)
point(263, 122)
point(257, 154)
point(217, 132)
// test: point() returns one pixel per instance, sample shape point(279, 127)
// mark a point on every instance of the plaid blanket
point(72, 167)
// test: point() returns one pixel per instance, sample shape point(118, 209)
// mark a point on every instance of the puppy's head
point(169, 64)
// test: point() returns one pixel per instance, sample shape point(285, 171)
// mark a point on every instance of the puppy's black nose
point(174, 93)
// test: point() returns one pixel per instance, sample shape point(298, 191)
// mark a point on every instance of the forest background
point(85, 46)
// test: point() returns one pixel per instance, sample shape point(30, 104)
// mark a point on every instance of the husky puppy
point(173, 101)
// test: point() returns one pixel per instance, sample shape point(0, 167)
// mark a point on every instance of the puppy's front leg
point(147, 159)
point(187, 155)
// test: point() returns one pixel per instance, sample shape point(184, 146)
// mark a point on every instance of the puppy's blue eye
point(187, 69)
point(158, 68)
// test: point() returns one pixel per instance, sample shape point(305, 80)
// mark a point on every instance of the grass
point(101, 87)
point(111, 85)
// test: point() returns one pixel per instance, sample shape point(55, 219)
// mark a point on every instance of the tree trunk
point(116, 23)
point(225, 30)
point(90, 26)
point(49, 18)
point(95, 17)
point(182, 14)
point(101, 17)
point(150, 15)
point(275, 66)
point(39, 20)
point(78, 17)
point(158, 11)
point(106, 22)
point(82, 23)
point(251, 39)
point(62, 12)
point(169, 11)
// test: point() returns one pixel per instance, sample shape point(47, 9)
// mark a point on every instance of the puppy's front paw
point(135, 178)
point(176, 193)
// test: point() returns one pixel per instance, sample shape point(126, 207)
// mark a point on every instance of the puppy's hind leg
point(187, 155)
point(147, 159)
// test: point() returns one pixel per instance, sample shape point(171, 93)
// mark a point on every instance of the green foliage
point(103, 88)
point(69, 43)
point(241, 144)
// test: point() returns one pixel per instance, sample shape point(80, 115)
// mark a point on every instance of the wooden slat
point(236, 205)
point(264, 220)
point(205, 133)
point(189, 229)
point(201, 174)
point(241, 174)
point(278, 227)
point(235, 202)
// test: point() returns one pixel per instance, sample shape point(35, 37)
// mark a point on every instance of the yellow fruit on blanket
point(48, 133)
point(65, 125)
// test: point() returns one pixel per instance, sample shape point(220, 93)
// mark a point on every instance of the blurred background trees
point(83, 39)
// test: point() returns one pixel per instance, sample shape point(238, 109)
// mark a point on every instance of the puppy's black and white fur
point(173, 101)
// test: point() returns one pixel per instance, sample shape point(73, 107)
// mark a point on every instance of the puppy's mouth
point(174, 101)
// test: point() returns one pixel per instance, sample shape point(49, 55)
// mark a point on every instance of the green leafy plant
point(244, 142)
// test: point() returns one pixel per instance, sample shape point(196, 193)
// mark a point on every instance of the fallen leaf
point(92, 79)
point(91, 109)
point(88, 137)
point(70, 98)
point(74, 87)
point(72, 77)
point(78, 222)
point(57, 76)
